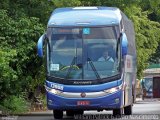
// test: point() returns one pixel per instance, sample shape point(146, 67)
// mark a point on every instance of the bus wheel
point(118, 112)
point(128, 110)
point(58, 114)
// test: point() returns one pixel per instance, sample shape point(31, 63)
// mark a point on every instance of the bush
point(14, 105)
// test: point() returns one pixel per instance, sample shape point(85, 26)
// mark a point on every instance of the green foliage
point(14, 105)
point(66, 3)
point(7, 75)
point(155, 59)
point(19, 64)
point(152, 6)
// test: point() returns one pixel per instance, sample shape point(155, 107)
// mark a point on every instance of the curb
point(44, 113)
point(36, 114)
point(138, 99)
point(147, 99)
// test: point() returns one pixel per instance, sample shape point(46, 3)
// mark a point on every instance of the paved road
point(148, 109)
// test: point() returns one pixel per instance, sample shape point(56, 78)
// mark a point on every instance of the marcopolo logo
point(83, 95)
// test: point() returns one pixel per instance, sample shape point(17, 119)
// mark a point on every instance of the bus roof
point(88, 16)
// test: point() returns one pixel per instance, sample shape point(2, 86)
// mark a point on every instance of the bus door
point(156, 88)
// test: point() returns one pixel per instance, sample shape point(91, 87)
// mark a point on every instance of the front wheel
point(128, 110)
point(118, 112)
point(58, 114)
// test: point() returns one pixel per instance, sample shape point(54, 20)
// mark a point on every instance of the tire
point(58, 114)
point(128, 110)
point(118, 112)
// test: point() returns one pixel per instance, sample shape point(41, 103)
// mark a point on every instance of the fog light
point(117, 100)
point(50, 102)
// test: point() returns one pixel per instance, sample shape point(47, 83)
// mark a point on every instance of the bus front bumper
point(110, 101)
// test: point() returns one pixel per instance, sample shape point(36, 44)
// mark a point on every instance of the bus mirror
point(124, 44)
point(40, 45)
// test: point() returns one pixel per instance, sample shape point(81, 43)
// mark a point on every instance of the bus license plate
point(83, 102)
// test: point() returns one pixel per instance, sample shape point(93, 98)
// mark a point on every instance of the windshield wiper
point(71, 66)
point(93, 68)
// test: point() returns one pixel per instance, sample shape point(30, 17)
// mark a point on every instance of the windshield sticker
point(86, 31)
point(54, 67)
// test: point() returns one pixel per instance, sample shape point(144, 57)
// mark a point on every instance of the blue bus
point(147, 87)
point(150, 86)
point(77, 78)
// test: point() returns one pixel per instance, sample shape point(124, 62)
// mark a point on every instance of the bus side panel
point(129, 80)
point(130, 62)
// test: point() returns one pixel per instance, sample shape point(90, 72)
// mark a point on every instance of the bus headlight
point(113, 90)
point(53, 91)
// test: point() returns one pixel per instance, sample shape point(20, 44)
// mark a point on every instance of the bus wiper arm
point(70, 68)
point(93, 68)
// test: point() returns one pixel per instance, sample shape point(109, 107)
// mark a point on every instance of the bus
point(76, 80)
point(147, 86)
point(150, 86)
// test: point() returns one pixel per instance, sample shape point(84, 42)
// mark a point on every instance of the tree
point(18, 63)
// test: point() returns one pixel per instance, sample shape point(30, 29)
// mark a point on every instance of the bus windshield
point(87, 53)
